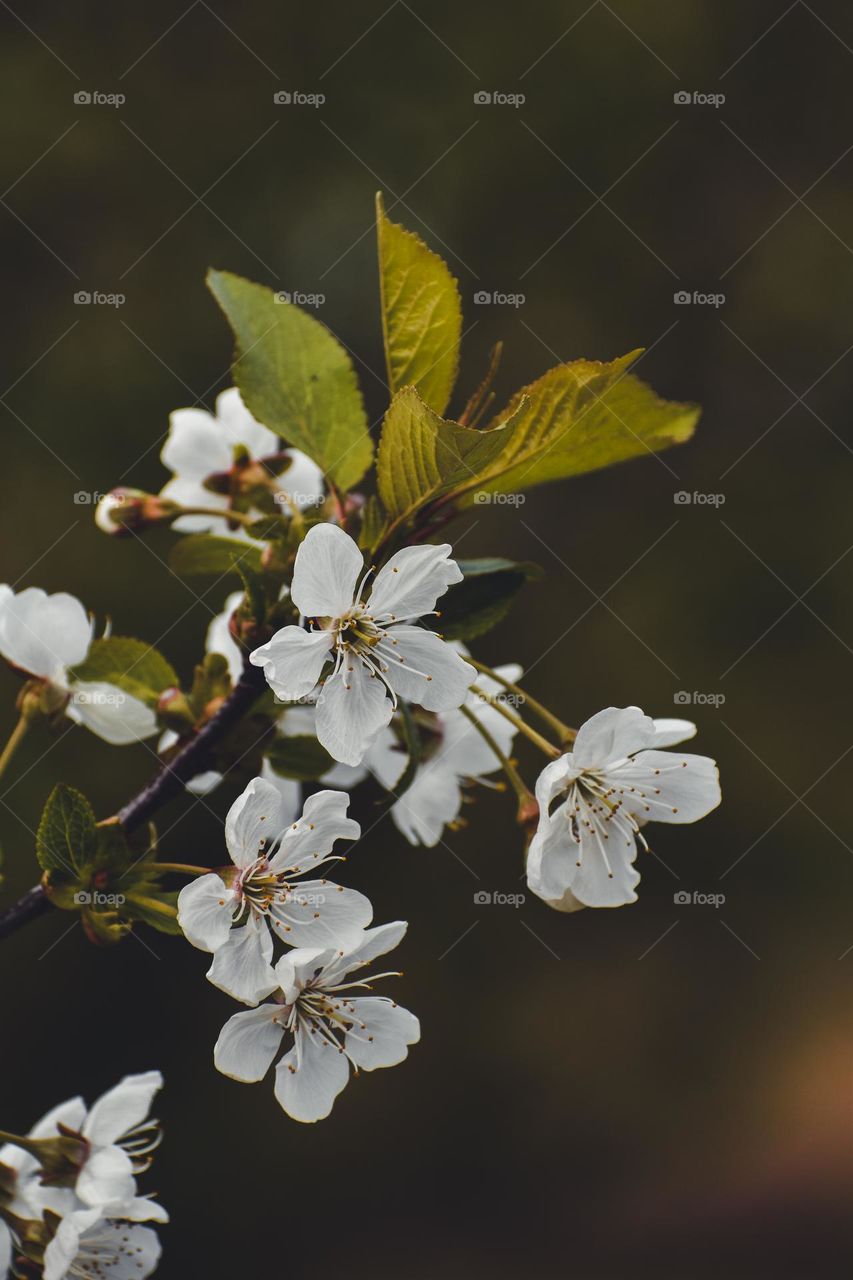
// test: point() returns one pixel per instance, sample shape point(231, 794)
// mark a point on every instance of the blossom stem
point(225, 513)
point(16, 737)
point(566, 734)
point(536, 738)
point(182, 869)
point(514, 778)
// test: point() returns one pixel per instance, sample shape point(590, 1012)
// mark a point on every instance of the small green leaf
point(484, 596)
point(422, 457)
point(421, 314)
point(157, 909)
point(299, 757)
point(296, 378)
point(131, 665)
point(201, 553)
point(67, 836)
point(580, 417)
point(373, 521)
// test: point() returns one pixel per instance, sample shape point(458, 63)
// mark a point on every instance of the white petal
point(143, 1209)
point(205, 912)
point(351, 710)
point(248, 1043)
point(311, 838)
point(302, 483)
point(553, 870)
point(670, 732)
point(43, 634)
point(122, 1108)
point(62, 1249)
point(106, 1179)
point(203, 783)
point(310, 1077)
point(386, 759)
point(252, 821)
point(192, 493)
point(220, 640)
point(70, 1114)
point(423, 669)
point(292, 661)
point(5, 1250)
point(375, 942)
point(385, 1033)
point(322, 914)
point(327, 568)
point(196, 446)
point(666, 786)
point(411, 582)
point(611, 735)
point(431, 802)
point(109, 712)
point(241, 967)
point(567, 904)
point(240, 428)
point(289, 790)
point(103, 1248)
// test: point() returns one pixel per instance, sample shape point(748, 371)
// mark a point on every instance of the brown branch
point(167, 782)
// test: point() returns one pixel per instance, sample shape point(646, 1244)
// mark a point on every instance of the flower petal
point(292, 661)
point(668, 733)
point(322, 914)
point(288, 789)
point(351, 710)
point(196, 446)
point(325, 573)
point(252, 822)
point(5, 1250)
point(109, 712)
point(311, 837)
point(411, 582)
point(310, 1077)
point(374, 942)
point(63, 1248)
point(423, 669)
point(248, 1043)
point(205, 912)
point(611, 735)
point(43, 634)
point(220, 640)
point(301, 485)
point(121, 1108)
point(431, 802)
point(241, 967)
point(665, 786)
point(106, 1180)
point(382, 1034)
point(192, 493)
point(238, 427)
point(557, 865)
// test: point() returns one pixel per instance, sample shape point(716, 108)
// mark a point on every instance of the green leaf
point(299, 757)
point(201, 553)
point(422, 457)
point(131, 665)
point(296, 378)
point(157, 909)
point(67, 836)
point(421, 314)
point(373, 521)
point(484, 596)
point(580, 417)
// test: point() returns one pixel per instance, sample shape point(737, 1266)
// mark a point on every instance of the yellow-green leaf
point(580, 417)
point(296, 378)
point(423, 457)
point(421, 314)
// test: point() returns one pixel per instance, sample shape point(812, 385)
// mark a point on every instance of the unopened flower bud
point(123, 510)
point(174, 710)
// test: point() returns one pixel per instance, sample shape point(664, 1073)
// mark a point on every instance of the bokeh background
point(662, 1090)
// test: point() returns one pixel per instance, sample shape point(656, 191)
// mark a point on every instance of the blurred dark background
point(660, 1090)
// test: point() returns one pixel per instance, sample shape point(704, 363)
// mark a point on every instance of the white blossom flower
point(88, 1245)
point(330, 1024)
point(236, 915)
point(46, 635)
point(5, 1250)
point(201, 445)
point(376, 656)
point(116, 1139)
point(454, 755)
point(594, 799)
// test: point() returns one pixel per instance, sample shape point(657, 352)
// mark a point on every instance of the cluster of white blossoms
point(44, 637)
point(69, 1202)
point(273, 894)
